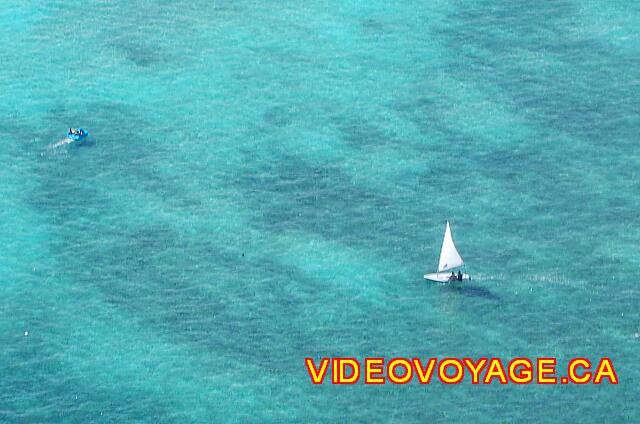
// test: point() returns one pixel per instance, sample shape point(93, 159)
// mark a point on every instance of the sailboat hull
point(444, 277)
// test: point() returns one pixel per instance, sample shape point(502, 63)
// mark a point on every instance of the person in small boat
point(459, 276)
point(73, 131)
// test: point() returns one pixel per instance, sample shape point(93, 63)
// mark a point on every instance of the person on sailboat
point(459, 276)
point(453, 276)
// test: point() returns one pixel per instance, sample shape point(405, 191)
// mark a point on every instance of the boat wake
point(550, 278)
point(490, 277)
point(62, 142)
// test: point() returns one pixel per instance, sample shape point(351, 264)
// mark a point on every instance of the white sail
point(449, 256)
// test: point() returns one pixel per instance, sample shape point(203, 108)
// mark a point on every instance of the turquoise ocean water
point(267, 181)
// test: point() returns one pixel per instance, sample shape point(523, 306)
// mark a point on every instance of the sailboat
point(449, 260)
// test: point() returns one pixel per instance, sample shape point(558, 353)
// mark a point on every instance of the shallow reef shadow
point(472, 291)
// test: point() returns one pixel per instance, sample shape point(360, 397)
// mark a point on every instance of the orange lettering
point(424, 374)
point(544, 370)
point(395, 378)
point(605, 369)
point(525, 375)
point(371, 373)
point(573, 376)
point(475, 368)
point(495, 370)
point(317, 376)
point(457, 377)
point(340, 373)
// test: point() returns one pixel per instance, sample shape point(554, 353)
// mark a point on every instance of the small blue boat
point(77, 135)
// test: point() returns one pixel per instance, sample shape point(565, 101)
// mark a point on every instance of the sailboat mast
point(446, 225)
